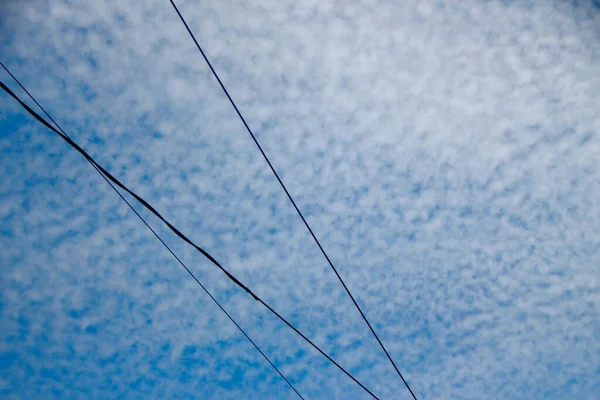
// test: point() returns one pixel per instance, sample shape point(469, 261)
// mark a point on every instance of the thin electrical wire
point(161, 241)
point(292, 201)
point(182, 236)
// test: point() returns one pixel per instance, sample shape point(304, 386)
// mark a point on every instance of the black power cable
point(181, 235)
point(161, 241)
point(292, 200)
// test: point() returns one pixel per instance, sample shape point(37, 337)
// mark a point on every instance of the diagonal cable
point(292, 201)
point(161, 240)
point(149, 207)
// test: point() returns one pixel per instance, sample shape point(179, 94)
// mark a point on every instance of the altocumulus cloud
point(446, 153)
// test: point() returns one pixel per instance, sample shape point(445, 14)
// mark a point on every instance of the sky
point(445, 153)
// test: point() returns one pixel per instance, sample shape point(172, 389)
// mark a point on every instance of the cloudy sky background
point(446, 153)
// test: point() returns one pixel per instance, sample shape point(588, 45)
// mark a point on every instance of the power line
point(181, 235)
point(162, 241)
point(292, 200)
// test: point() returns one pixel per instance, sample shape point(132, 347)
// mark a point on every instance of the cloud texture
point(445, 153)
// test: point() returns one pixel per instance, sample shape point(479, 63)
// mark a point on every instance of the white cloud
point(445, 153)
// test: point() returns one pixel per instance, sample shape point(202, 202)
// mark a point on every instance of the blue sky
point(445, 153)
